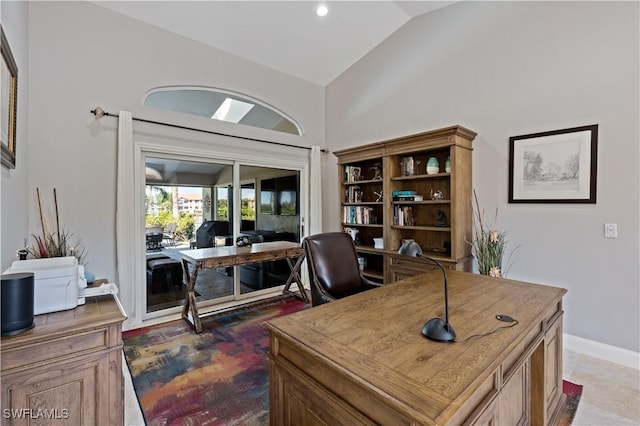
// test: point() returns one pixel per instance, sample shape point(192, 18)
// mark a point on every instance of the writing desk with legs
point(221, 257)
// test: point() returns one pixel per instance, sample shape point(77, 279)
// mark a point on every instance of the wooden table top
point(199, 255)
point(376, 335)
point(98, 311)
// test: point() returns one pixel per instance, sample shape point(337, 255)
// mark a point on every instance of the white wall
point(14, 182)
point(512, 68)
point(83, 56)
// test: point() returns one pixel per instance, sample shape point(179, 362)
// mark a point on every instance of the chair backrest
point(171, 228)
point(154, 229)
point(333, 263)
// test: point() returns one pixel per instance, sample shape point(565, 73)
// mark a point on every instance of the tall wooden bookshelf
point(434, 209)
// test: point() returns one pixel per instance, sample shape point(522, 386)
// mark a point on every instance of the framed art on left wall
point(8, 103)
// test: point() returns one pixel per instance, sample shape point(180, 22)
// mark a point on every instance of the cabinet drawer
point(553, 315)
point(421, 265)
point(55, 348)
point(261, 257)
point(295, 252)
point(220, 262)
point(401, 269)
point(398, 274)
point(411, 264)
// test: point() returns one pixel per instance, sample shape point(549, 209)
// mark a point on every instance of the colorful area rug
point(217, 377)
point(220, 376)
point(573, 393)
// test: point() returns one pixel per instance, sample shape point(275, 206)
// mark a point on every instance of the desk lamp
point(437, 329)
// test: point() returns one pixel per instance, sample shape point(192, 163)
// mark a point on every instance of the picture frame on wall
point(8, 103)
point(558, 166)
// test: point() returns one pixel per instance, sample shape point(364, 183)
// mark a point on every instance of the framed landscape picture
point(554, 167)
point(8, 103)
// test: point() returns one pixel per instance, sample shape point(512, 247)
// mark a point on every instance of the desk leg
point(295, 276)
point(190, 306)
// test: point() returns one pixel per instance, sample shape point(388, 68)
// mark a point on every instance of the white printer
point(58, 282)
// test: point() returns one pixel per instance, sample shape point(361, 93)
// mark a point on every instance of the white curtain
point(315, 191)
point(125, 201)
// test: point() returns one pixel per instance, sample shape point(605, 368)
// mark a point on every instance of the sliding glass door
point(269, 213)
point(178, 216)
point(196, 204)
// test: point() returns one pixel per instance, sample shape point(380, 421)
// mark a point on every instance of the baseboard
point(603, 351)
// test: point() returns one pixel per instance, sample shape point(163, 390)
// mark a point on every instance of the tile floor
point(611, 392)
point(610, 397)
point(132, 412)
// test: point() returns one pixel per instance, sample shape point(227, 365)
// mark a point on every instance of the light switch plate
point(611, 230)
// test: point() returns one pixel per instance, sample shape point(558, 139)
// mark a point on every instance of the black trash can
point(17, 302)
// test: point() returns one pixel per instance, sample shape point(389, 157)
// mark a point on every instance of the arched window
point(221, 105)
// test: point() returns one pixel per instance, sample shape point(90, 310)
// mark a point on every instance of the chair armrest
point(326, 297)
point(368, 284)
point(319, 295)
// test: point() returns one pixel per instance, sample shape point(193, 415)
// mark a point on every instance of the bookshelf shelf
point(423, 228)
point(421, 177)
point(363, 182)
point(364, 203)
point(424, 202)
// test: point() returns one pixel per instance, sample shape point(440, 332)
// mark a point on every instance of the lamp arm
point(436, 328)
point(446, 284)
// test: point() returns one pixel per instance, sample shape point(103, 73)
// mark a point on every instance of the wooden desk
point(68, 367)
point(362, 360)
point(220, 257)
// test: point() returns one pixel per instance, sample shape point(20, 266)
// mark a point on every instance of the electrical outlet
point(610, 230)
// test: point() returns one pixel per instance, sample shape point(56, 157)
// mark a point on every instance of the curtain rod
point(99, 113)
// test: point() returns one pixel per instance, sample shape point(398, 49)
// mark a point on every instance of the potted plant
point(489, 244)
point(55, 242)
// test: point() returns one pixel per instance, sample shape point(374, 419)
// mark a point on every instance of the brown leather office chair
point(333, 267)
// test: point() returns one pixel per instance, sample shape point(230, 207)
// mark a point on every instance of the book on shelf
point(352, 173)
point(403, 216)
point(415, 197)
point(358, 215)
point(354, 194)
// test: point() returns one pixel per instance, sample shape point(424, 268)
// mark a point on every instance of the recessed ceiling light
point(322, 10)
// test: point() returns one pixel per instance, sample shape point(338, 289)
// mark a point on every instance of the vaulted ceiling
point(287, 36)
